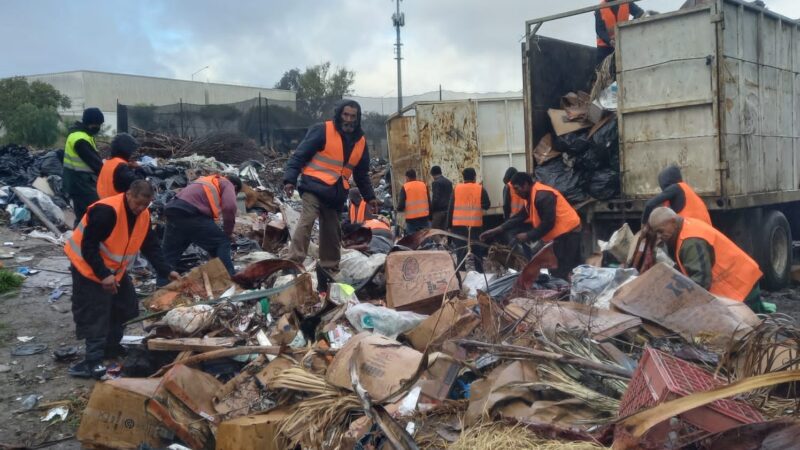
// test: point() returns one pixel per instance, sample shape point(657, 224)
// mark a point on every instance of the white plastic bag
point(382, 320)
point(45, 203)
point(187, 320)
point(474, 282)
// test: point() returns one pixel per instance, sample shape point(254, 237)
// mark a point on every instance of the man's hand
point(134, 164)
point(613, 42)
point(174, 276)
point(109, 284)
point(373, 204)
point(522, 237)
point(288, 189)
point(488, 234)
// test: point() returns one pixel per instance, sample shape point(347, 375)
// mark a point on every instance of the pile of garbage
point(580, 157)
point(403, 349)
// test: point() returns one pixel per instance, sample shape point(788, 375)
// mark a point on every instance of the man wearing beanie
point(118, 172)
point(82, 162)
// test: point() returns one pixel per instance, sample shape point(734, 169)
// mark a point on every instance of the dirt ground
point(29, 312)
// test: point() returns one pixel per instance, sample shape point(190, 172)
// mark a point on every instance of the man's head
point(522, 182)
point(235, 181)
point(666, 224)
point(123, 145)
point(354, 195)
point(669, 176)
point(469, 174)
point(436, 171)
point(411, 175)
point(139, 196)
point(92, 119)
point(347, 116)
point(510, 172)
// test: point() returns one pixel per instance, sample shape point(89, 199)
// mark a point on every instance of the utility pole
point(399, 20)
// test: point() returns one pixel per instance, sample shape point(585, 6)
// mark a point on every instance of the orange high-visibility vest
point(467, 211)
point(213, 193)
point(119, 249)
point(416, 199)
point(375, 224)
point(105, 181)
point(734, 273)
point(358, 213)
point(610, 20)
point(694, 207)
point(329, 165)
point(567, 218)
point(517, 203)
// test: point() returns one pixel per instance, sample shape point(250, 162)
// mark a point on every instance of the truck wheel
point(775, 247)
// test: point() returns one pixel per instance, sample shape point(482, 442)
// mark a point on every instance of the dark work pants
point(99, 316)
point(602, 54)
point(81, 202)
point(478, 250)
point(439, 220)
point(414, 225)
point(183, 230)
point(567, 248)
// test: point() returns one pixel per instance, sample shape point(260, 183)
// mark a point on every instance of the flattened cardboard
point(255, 432)
point(436, 382)
point(548, 315)
point(182, 292)
point(417, 280)
point(561, 123)
point(454, 320)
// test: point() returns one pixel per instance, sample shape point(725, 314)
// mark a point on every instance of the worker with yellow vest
point(709, 258)
point(678, 195)
point(82, 162)
point(414, 201)
point(100, 250)
point(469, 202)
point(549, 218)
point(325, 160)
point(606, 20)
point(119, 171)
point(192, 215)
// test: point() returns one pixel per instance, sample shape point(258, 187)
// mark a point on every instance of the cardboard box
point(382, 366)
point(256, 432)
point(562, 124)
point(417, 280)
point(453, 320)
point(116, 415)
point(436, 382)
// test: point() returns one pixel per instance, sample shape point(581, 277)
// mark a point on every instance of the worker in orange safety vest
point(606, 20)
point(414, 200)
point(678, 195)
point(118, 172)
point(467, 206)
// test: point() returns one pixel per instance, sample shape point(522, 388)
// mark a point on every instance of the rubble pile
point(228, 146)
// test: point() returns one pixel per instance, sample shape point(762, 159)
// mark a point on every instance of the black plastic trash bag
point(568, 181)
point(573, 144)
point(604, 184)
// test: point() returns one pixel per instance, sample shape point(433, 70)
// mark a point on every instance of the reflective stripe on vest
point(734, 273)
point(694, 207)
point(105, 181)
point(211, 186)
point(416, 200)
point(329, 165)
point(610, 20)
point(358, 213)
point(517, 203)
point(119, 249)
point(467, 211)
point(71, 159)
point(567, 218)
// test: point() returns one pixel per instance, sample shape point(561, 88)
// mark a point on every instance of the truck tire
point(774, 244)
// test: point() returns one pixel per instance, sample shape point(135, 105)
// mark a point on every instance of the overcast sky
point(465, 45)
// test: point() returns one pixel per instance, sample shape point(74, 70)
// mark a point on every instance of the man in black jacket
point(82, 162)
point(441, 191)
point(327, 157)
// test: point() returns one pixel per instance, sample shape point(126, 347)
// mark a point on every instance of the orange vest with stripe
point(467, 211)
point(416, 200)
point(329, 164)
point(734, 273)
point(119, 249)
point(694, 207)
point(375, 224)
point(517, 203)
point(213, 193)
point(610, 20)
point(567, 218)
point(105, 181)
point(358, 213)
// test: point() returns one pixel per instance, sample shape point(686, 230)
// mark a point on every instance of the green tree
point(29, 111)
point(318, 88)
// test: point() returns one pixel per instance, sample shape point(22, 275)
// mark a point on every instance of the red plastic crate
point(661, 377)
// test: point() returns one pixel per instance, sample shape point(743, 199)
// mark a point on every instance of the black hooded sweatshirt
point(333, 196)
point(668, 179)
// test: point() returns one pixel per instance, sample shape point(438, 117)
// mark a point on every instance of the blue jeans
point(182, 231)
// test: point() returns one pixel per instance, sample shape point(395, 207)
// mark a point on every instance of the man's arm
point(450, 208)
point(697, 259)
point(600, 28)
point(486, 203)
point(515, 221)
point(545, 204)
point(101, 222)
point(151, 249)
point(89, 155)
point(123, 177)
point(401, 199)
point(506, 202)
point(228, 204)
point(635, 10)
point(672, 194)
point(311, 144)
point(361, 176)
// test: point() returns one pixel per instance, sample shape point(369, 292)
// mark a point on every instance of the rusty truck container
point(485, 134)
point(714, 89)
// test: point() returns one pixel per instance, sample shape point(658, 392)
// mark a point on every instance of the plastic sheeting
point(557, 175)
point(382, 320)
point(595, 285)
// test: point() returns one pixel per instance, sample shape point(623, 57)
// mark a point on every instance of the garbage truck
point(713, 88)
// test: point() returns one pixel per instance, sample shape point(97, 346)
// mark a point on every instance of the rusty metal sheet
point(448, 138)
point(403, 149)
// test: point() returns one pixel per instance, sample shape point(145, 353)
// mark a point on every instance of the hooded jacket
point(334, 196)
